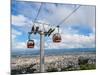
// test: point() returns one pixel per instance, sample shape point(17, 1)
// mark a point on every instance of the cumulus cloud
point(84, 15)
point(19, 45)
point(79, 40)
point(16, 44)
point(15, 33)
point(20, 20)
point(73, 41)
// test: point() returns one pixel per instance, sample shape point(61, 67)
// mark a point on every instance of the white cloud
point(15, 33)
point(19, 45)
point(20, 20)
point(85, 15)
point(74, 41)
point(25, 24)
point(22, 23)
point(77, 41)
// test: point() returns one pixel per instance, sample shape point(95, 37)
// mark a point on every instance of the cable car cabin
point(30, 44)
point(56, 38)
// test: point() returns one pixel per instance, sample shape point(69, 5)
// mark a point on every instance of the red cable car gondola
point(57, 37)
point(30, 44)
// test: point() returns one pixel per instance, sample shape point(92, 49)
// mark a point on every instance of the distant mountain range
point(53, 51)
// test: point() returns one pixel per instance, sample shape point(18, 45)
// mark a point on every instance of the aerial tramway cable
point(33, 28)
point(38, 12)
point(69, 15)
point(57, 37)
point(30, 43)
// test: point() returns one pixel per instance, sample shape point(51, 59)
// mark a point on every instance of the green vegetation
point(52, 70)
point(68, 68)
point(84, 65)
point(87, 66)
point(23, 70)
point(83, 61)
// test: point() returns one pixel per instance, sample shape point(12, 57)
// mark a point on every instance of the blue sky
point(78, 31)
